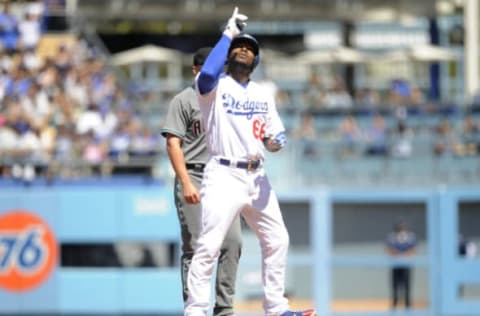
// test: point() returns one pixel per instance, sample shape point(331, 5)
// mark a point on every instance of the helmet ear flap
point(256, 61)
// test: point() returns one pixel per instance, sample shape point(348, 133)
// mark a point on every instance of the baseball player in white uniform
point(240, 121)
point(187, 150)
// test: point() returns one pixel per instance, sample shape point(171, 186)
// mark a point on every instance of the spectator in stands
point(399, 93)
point(95, 150)
point(30, 141)
point(47, 134)
point(36, 105)
point(314, 95)
point(29, 31)
point(376, 137)
point(48, 77)
point(76, 87)
point(338, 97)
point(38, 7)
point(401, 243)
point(5, 83)
point(469, 138)
point(466, 249)
point(120, 142)
point(402, 140)
point(64, 150)
point(126, 113)
point(8, 135)
point(68, 152)
point(8, 29)
point(57, 94)
point(20, 142)
point(444, 138)
point(284, 102)
point(103, 91)
point(22, 79)
point(2, 117)
point(31, 61)
point(5, 60)
point(101, 123)
point(307, 135)
point(64, 111)
point(63, 60)
point(367, 98)
point(417, 97)
point(144, 142)
point(350, 136)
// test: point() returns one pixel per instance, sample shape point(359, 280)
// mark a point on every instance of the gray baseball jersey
point(184, 120)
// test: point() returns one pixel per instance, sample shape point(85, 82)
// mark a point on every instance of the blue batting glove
point(280, 139)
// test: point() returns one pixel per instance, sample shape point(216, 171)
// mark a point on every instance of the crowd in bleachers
point(454, 137)
point(62, 112)
point(332, 94)
point(371, 123)
point(66, 114)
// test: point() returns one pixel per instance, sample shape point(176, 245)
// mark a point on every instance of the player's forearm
point(213, 66)
point(177, 160)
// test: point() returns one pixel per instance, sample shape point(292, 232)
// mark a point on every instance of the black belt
point(247, 165)
point(195, 166)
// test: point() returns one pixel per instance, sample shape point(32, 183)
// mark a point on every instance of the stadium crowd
point(61, 113)
point(371, 123)
point(67, 115)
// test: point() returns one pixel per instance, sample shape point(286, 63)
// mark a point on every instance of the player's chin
point(242, 63)
point(247, 63)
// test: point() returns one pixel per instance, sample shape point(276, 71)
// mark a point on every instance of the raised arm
point(213, 66)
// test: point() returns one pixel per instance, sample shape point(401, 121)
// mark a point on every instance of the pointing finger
point(241, 17)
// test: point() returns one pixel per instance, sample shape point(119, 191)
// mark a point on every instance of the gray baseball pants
point(230, 251)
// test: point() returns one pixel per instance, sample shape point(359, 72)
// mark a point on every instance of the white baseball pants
point(226, 191)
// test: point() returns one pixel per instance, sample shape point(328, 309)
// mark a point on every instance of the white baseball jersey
point(237, 117)
point(229, 110)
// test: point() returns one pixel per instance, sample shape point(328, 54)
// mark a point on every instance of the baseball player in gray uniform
point(187, 151)
point(241, 121)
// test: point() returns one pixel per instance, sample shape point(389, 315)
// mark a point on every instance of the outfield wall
point(337, 252)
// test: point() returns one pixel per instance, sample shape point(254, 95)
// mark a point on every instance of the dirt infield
point(337, 306)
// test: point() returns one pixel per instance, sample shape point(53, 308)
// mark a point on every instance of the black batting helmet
point(242, 38)
point(201, 55)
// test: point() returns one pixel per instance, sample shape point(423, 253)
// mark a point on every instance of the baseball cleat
point(307, 312)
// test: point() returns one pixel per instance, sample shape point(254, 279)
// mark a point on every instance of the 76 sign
point(28, 251)
point(24, 250)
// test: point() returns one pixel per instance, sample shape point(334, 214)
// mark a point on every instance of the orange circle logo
point(28, 251)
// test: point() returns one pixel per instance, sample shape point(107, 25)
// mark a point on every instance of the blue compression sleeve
point(213, 66)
